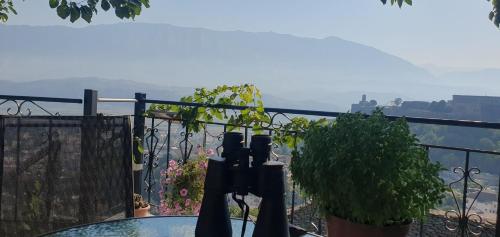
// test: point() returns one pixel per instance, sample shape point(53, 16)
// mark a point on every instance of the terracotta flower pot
point(342, 228)
point(142, 212)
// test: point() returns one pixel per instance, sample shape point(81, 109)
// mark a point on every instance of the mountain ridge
point(329, 70)
point(291, 57)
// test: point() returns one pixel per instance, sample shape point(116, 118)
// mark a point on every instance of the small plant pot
point(338, 227)
point(142, 212)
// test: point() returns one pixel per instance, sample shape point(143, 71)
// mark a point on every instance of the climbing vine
point(253, 115)
point(194, 117)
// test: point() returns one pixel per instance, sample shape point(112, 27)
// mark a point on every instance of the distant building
point(364, 106)
point(467, 107)
point(420, 105)
point(485, 108)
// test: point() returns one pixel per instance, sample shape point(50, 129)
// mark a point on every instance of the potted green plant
point(368, 175)
point(183, 185)
point(141, 207)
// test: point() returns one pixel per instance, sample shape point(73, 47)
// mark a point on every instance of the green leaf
point(11, 8)
point(105, 5)
point(53, 3)
point(217, 114)
point(74, 12)
point(137, 10)
point(122, 12)
point(140, 149)
point(3, 17)
point(145, 3)
point(86, 13)
point(135, 2)
point(63, 10)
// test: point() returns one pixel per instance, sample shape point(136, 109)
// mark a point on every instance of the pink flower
point(179, 173)
point(168, 211)
point(183, 192)
point(196, 209)
point(164, 209)
point(188, 202)
point(210, 152)
point(172, 164)
point(199, 150)
point(168, 180)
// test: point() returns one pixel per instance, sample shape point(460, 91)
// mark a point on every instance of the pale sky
point(446, 33)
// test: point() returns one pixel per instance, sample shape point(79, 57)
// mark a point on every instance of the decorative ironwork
point(16, 109)
point(186, 146)
point(461, 219)
point(273, 124)
point(151, 155)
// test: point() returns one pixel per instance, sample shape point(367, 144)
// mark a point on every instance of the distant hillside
point(178, 56)
point(73, 88)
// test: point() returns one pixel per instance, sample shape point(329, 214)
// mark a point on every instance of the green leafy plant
point(399, 2)
point(236, 212)
point(139, 201)
point(194, 117)
point(132, 8)
point(494, 15)
point(84, 9)
point(368, 170)
point(6, 7)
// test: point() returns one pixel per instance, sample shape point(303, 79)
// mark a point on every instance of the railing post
point(139, 120)
point(464, 219)
point(498, 209)
point(294, 156)
point(2, 147)
point(151, 151)
point(88, 148)
point(90, 102)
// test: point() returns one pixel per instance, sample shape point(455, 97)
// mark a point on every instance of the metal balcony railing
point(164, 138)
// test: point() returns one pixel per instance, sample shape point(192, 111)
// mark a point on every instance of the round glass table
point(156, 226)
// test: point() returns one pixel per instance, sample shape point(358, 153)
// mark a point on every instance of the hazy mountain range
point(164, 58)
point(74, 87)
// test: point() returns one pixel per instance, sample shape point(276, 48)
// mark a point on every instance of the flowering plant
point(184, 185)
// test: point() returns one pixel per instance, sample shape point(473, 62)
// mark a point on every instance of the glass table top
point(175, 226)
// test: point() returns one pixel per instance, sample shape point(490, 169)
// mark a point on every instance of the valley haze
point(328, 73)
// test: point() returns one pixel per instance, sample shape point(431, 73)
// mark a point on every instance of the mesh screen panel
point(63, 171)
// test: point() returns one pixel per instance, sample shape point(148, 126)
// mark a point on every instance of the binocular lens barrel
point(232, 143)
point(234, 175)
point(213, 220)
point(261, 149)
point(272, 220)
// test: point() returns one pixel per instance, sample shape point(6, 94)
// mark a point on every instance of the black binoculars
point(233, 174)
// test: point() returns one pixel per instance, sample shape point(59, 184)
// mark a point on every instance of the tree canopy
point(129, 9)
point(75, 10)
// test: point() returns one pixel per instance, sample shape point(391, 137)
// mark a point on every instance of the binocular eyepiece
point(260, 148)
point(233, 174)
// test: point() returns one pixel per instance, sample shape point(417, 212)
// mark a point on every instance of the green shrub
point(368, 170)
point(235, 211)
